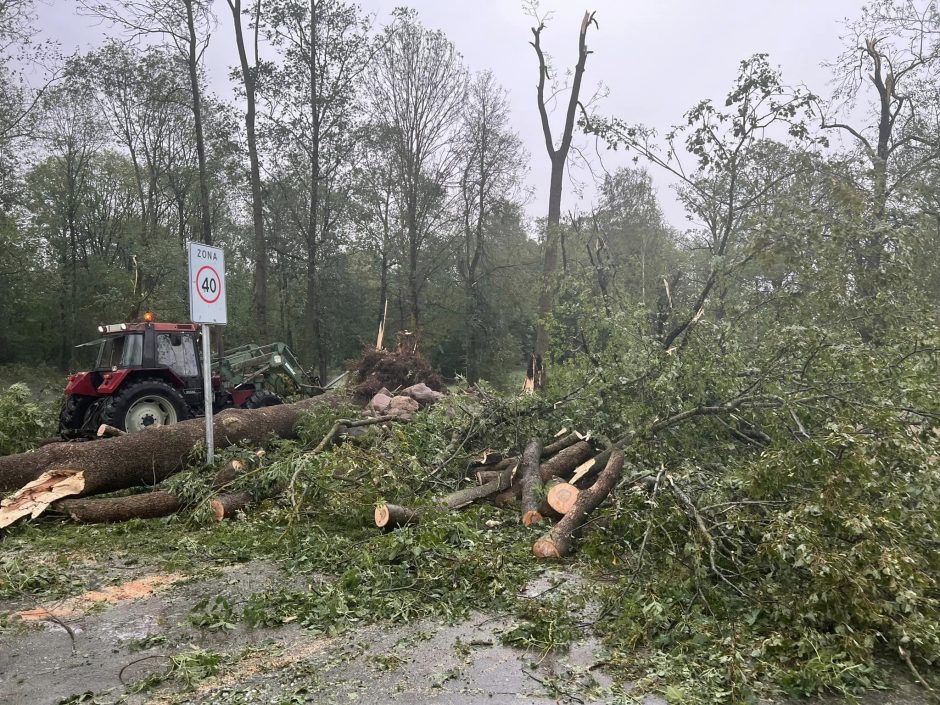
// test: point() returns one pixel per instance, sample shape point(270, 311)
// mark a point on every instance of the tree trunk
point(392, 516)
point(193, 64)
point(150, 456)
point(226, 505)
point(558, 156)
point(106, 510)
point(249, 80)
point(557, 543)
point(312, 306)
point(531, 483)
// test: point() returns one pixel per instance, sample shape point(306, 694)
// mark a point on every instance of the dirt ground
point(100, 646)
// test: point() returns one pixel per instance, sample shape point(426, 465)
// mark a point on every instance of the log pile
point(548, 481)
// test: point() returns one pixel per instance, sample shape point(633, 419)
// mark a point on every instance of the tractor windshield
point(121, 351)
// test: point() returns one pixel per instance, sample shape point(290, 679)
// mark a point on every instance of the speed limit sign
point(207, 284)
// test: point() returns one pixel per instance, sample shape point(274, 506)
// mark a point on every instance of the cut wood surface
point(152, 455)
point(227, 504)
point(106, 431)
point(558, 542)
point(560, 498)
point(105, 510)
point(531, 482)
point(392, 516)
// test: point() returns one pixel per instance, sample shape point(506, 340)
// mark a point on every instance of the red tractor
point(150, 374)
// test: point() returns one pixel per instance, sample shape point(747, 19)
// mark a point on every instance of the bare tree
point(559, 157)
point(249, 74)
point(894, 49)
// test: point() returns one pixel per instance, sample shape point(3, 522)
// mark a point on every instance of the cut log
point(560, 444)
point(560, 498)
point(465, 497)
point(531, 483)
point(227, 504)
point(561, 465)
point(106, 510)
point(150, 456)
point(227, 474)
point(557, 543)
point(392, 516)
point(106, 431)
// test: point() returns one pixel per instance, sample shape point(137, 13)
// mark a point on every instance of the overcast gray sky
point(656, 57)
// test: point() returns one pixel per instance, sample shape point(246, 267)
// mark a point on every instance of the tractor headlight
point(101, 329)
point(277, 360)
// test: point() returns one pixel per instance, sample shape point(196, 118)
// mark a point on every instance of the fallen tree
point(138, 459)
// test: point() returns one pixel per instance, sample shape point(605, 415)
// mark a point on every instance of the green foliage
point(23, 422)
point(544, 625)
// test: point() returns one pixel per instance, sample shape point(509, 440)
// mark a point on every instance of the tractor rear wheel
point(72, 415)
point(144, 403)
point(260, 399)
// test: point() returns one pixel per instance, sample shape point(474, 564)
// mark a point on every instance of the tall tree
point(558, 155)
point(417, 90)
point(312, 96)
point(249, 77)
point(491, 171)
point(890, 65)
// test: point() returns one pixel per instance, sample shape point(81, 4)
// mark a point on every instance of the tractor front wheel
point(145, 403)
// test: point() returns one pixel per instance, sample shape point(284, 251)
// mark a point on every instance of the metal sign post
point(207, 305)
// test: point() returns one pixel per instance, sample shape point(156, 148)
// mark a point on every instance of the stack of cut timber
point(539, 479)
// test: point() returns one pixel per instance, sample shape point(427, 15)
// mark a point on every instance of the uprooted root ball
point(393, 370)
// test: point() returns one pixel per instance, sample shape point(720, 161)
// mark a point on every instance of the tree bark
point(531, 483)
point(558, 542)
point(106, 510)
point(558, 157)
point(226, 505)
point(392, 516)
point(560, 465)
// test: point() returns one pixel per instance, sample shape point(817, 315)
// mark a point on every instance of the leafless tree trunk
point(250, 79)
point(558, 156)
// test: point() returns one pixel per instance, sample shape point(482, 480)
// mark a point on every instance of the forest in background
point(363, 166)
